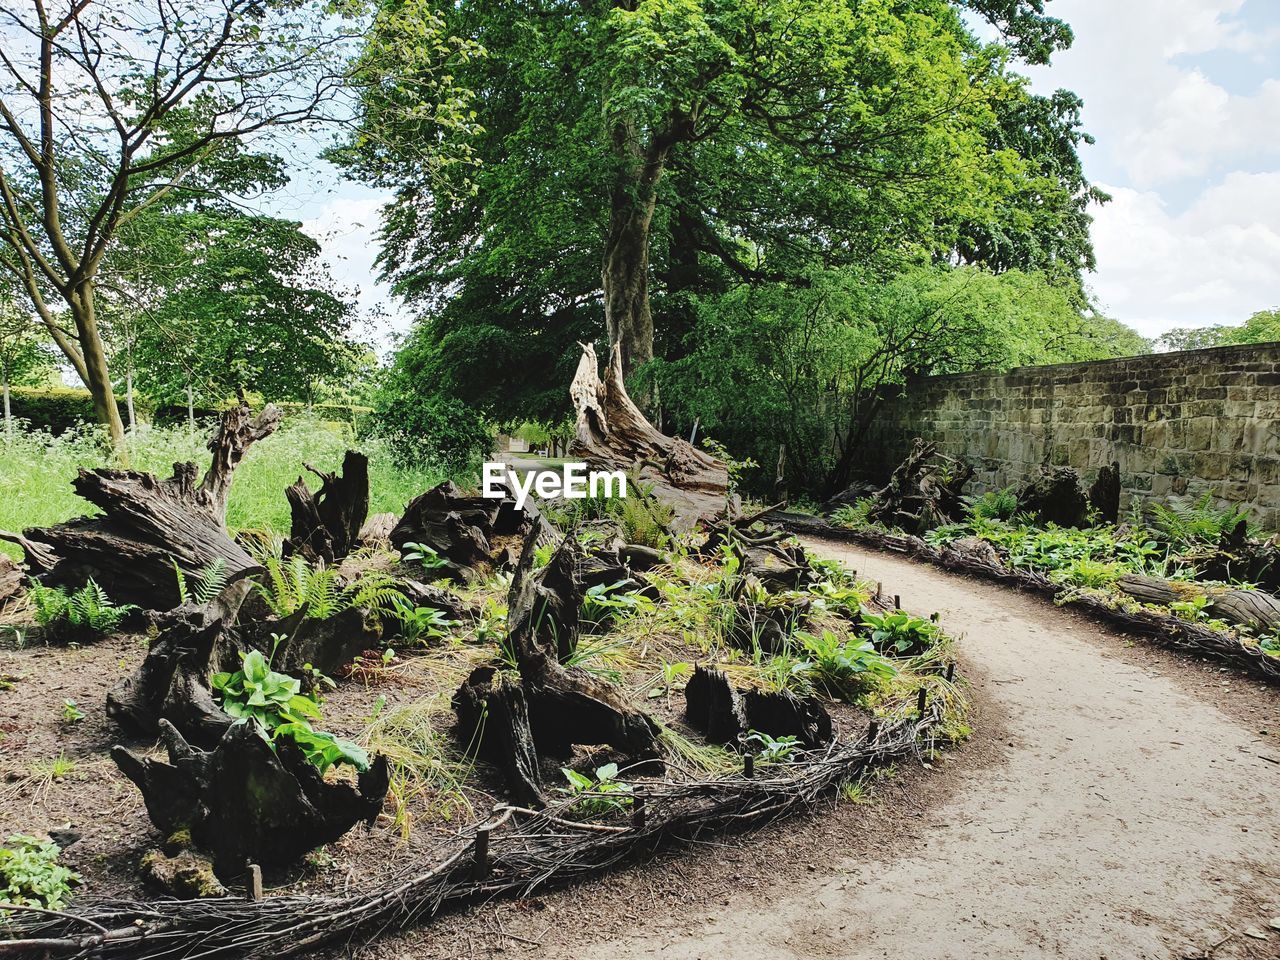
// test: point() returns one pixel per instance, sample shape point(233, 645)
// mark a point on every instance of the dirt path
point(1129, 819)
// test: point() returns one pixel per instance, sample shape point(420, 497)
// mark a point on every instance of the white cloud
point(1217, 262)
point(346, 228)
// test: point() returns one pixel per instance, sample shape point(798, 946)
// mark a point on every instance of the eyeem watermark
point(573, 482)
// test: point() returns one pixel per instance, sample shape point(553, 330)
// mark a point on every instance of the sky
point(1183, 97)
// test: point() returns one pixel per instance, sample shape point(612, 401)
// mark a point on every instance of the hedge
point(58, 409)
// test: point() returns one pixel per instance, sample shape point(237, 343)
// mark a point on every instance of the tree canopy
point(1261, 327)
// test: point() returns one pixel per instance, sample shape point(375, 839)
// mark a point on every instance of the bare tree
point(108, 107)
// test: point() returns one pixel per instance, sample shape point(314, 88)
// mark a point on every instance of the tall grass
point(36, 470)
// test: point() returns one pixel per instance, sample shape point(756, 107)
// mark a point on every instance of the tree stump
point(1104, 494)
point(493, 724)
point(326, 525)
point(244, 801)
point(923, 492)
point(147, 525)
point(713, 707)
point(1054, 496)
point(612, 434)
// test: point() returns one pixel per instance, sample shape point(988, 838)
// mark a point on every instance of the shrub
point(843, 668)
point(1187, 523)
point(31, 876)
point(994, 505)
point(900, 633)
point(59, 409)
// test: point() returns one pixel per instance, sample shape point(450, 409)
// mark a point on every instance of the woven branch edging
point(515, 852)
point(1166, 629)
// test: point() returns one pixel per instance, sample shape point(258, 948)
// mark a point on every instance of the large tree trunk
point(95, 363)
point(8, 413)
point(624, 271)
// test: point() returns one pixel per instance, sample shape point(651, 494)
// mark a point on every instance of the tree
point(24, 355)
point(1262, 327)
point(108, 108)
point(806, 367)
point(243, 304)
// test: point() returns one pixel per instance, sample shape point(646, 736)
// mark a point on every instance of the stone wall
point(1178, 423)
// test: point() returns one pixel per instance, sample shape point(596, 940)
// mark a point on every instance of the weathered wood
point(713, 707)
point(173, 681)
point(783, 714)
point(328, 644)
point(493, 724)
point(147, 525)
point(1104, 493)
point(326, 524)
point(245, 801)
point(1247, 608)
point(1053, 495)
point(567, 705)
point(923, 492)
point(612, 434)
point(11, 578)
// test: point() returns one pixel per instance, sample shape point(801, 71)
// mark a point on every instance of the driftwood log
point(326, 524)
point(11, 578)
point(612, 434)
point(566, 704)
point(247, 802)
point(923, 492)
point(1245, 608)
point(147, 525)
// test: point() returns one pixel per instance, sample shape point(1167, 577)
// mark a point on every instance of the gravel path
point(1130, 818)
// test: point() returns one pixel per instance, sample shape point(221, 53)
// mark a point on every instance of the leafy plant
point(854, 515)
point(71, 712)
point(419, 625)
point(294, 585)
point(209, 582)
point(772, 749)
point(1270, 644)
point(31, 876)
point(841, 667)
point(604, 795)
point(1187, 523)
point(900, 633)
point(1086, 572)
point(607, 602)
point(423, 554)
point(993, 505)
point(274, 702)
point(88, 612)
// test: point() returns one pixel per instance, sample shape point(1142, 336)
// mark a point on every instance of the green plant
point(1087, 572)
point(772, 750)
point(1270, 644)
point(274, 702)
point(600, 796)
point(993, 505)
point(608, 602)
point(209, 582)
point(294, 584)
point(419, 625)
point(71, 712)
point(1187, 523)
point(947, 533)
point(31, 876)
point(423, 554)
point(843, 668)
point(854, 515)
point(900, 633)
point(86, 613)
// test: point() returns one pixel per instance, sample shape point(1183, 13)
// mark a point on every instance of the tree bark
point(81, 304)
point(8, 412)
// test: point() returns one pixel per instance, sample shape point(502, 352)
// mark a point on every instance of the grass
point(36, 470)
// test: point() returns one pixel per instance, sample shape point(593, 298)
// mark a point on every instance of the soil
point(1116, 801)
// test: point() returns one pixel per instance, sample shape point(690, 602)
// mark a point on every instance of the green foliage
point(274, 702)
point(209, 582)
point(423, 554)
point(55, 409)
point(418, 424)
point(1262, 327)
point(1270, 644)
point(1086, 572)
point(841, 667)
point(418, 626)
point(853, 515)
point(294, 584)
point(994, 505)
point(772, 750)
point(1187, 523)
point(84, 614)
point(31, 876)
point(641, 517)
point(604, 795)
point(899, 633)
point(71, 712)
point(608, 602)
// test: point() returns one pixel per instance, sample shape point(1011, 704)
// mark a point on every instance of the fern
point(87, 612)
point(210, 581)
point(1187, 523)
point(294, 584)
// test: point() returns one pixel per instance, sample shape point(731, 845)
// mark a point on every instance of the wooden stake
point(638, 812)
point(897, 602)
point(253, 882)
point(951, 671)
point(922, 700)
point(480, 869)
point(873, 731)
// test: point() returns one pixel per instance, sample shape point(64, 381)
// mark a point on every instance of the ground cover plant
point(1194, 559)
point(440, 710)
